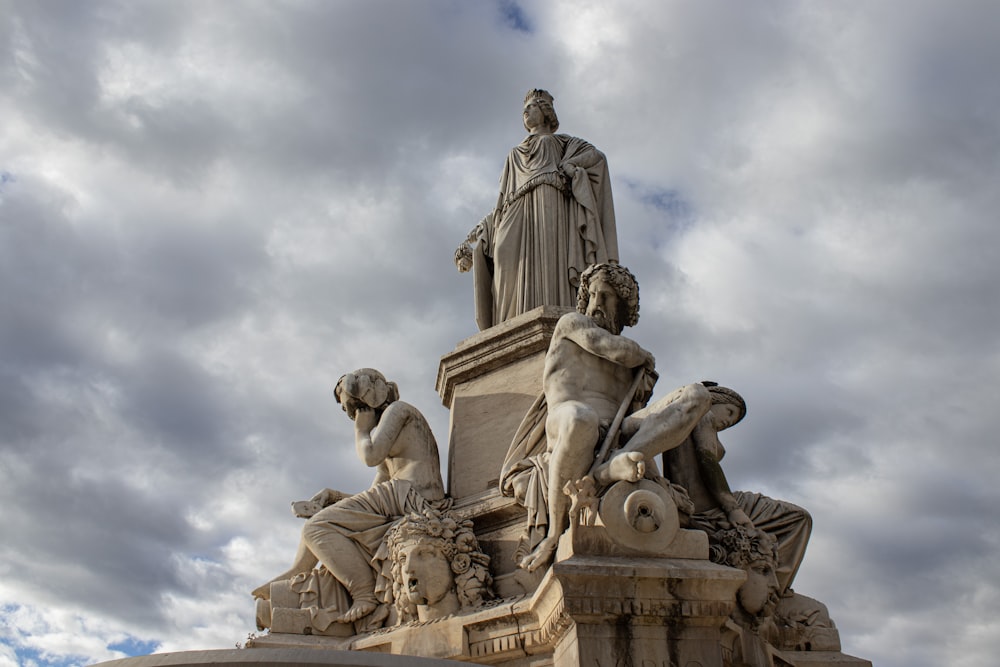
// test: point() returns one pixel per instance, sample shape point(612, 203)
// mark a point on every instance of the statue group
point(597, 469)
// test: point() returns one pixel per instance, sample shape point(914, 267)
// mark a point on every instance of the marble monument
point(583, 522)
point(558, 539)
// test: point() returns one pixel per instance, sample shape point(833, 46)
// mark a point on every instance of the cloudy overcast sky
point(209, 211)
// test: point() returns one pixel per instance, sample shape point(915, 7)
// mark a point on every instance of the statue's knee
point(574, 418)
point(312, 530)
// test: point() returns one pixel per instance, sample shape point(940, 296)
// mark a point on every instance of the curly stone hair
point(740, 546)
point(454, 538)
point(367, 385)
point(624, 284)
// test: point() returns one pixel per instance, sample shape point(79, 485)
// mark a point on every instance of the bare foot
point(541, 555)
point(359, 609)
point(373, 621)
point(623, 467)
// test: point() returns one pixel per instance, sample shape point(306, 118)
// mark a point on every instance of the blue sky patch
point(514, 16)
point(32, 656)
point(668, 201)
point(134, 647)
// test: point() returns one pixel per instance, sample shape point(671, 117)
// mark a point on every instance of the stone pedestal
point(655, 612)
point(586, 611)
point(275, 657)
point(618, 593)
point(488, 382)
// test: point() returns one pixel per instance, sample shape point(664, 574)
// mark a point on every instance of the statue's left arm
point(708, 450)
point(587, 169)
point(581, 154)
point(374, 439)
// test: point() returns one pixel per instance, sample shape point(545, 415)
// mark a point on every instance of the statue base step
point(586, 611)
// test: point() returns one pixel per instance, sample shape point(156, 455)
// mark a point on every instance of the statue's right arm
point(327, 497)
point(367, 443)
point(383, 439)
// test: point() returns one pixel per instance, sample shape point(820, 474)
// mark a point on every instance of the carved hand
point(738, 517)
point(463, 257)
point(365, 420)
point(327, 497)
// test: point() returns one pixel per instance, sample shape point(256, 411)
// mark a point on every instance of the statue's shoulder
point(400, 408)
point(573, 321)
point(574, 143)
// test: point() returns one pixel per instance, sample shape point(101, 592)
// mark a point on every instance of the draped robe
point(546, 228)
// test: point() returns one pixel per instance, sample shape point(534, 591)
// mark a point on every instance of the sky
point(209, 211)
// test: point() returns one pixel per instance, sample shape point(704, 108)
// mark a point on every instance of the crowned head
point(542, 100)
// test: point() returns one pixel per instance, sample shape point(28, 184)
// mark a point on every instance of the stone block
point(488, 382)
point(824, 659)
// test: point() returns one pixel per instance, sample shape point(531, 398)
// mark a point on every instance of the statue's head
point(753, 551)
point(609, 294)
point(437, 567)
point(365, 387)
point(728, 407)
point(542, 100)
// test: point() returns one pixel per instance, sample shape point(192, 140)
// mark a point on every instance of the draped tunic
point(545, 229)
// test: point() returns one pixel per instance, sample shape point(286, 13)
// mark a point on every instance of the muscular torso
point(575, 373)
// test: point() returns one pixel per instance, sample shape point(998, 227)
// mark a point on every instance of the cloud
point(207, 216)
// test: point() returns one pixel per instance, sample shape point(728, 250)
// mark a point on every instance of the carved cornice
point(497, 347)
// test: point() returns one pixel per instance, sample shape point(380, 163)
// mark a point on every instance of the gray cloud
point(206, 216)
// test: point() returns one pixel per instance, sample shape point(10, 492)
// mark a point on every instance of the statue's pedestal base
point(488, 382)
point(586, 611)
point(613, 597)
point(824, 659)
point(298, 656)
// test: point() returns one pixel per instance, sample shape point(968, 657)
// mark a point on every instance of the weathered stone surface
point(604, 609)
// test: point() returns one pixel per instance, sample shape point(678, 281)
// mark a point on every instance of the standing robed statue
point(553, 218)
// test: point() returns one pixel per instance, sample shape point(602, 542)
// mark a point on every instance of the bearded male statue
point(594, 381)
